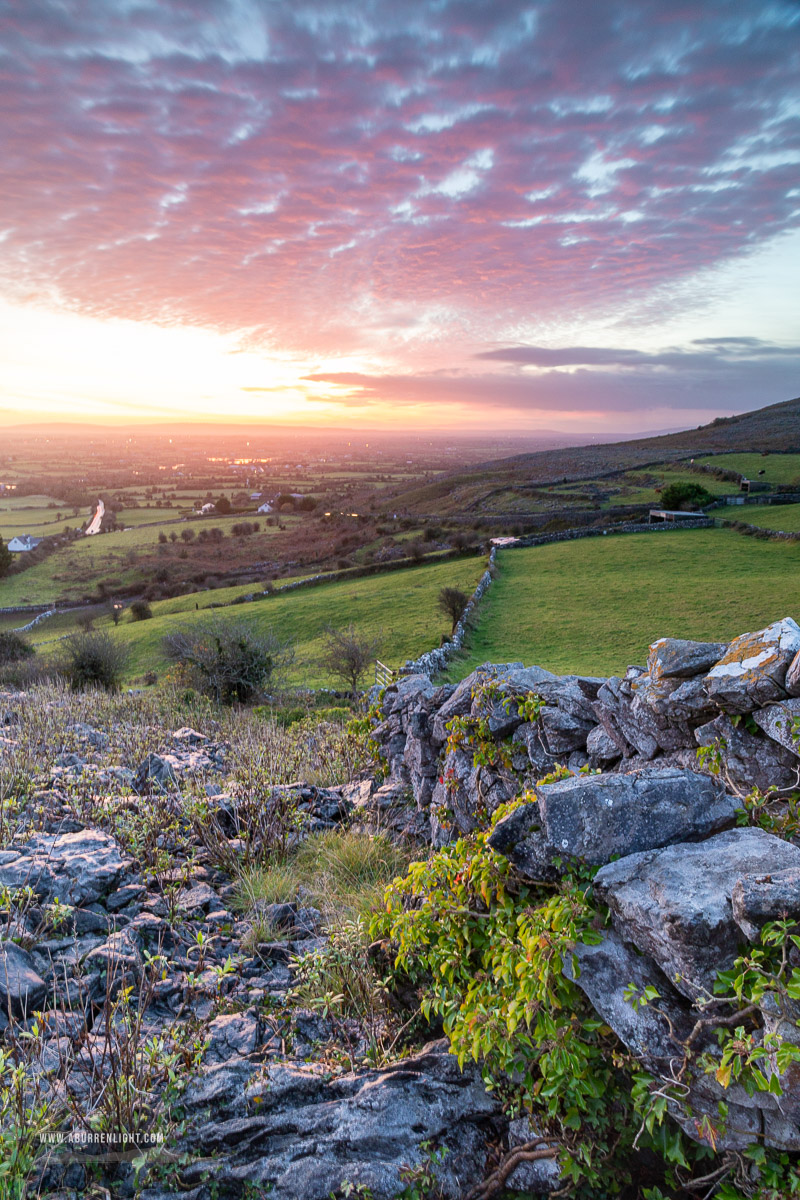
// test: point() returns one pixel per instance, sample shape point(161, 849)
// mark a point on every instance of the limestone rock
point(750, 759)
point(601, 747)
point(539, 1177)
point(303, 1137)
point(675, 904)
point(594, 817)
point(521, 839)
point(757, 899)
point(778, 722)
point(22, 989)
point(232, 1035)
point(78, 868)
point(603, 973)
point(675, 658)
point(753, 670)
point(563, 732)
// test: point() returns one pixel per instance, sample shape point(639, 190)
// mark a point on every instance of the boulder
point(22, 989)
point(563, 732)
point(156, 773)
point(675, 904)
point(690, 702)
point(601, 747)
point(750, 759)
point(529, 750)
point(674, 658)
point(613, 709)
point(405, 693)
point(594, 817)
point(188, 737)
point(753, 670)
point(781, 722)
point(792, 683)
point(519, 837)
point(604, 971)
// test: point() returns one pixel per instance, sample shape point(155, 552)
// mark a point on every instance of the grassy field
point(777, 468)
point(593, 606)
point(784, 517)
point(399, 608)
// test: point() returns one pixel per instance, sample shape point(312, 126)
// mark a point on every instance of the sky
point(467, 215)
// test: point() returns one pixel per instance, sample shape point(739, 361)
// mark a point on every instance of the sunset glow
point(550, 215)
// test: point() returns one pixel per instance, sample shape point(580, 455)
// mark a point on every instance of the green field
point(593, 606)
point(777, 468)
point(783, 517)
point(399, 608)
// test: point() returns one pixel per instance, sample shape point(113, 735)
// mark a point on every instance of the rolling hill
point(774, 428)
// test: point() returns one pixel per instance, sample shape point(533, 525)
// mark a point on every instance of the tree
point(228, 660)
point(452, 602)
point(349, 654)
point(685, 496)
point(223, 505)
point(6, 559)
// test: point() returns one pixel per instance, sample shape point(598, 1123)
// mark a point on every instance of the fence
point(383, 674)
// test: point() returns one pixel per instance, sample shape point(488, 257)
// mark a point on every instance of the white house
point(207, 508)
point(23, 542)
point(265, 508)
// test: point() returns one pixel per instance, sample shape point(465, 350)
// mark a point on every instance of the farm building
point(675, 515)
point(23, 542)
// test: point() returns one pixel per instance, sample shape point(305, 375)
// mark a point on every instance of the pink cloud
point(282, 174)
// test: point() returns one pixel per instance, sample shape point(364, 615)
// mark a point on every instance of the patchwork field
point(398, 608)
point(593, 606)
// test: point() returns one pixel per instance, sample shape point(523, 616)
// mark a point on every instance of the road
point(97, 519)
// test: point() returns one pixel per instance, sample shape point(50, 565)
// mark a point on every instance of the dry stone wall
point(687, 887)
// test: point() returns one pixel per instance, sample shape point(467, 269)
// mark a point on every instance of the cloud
point(731, 378)
point(723, 353)
point(286, 168)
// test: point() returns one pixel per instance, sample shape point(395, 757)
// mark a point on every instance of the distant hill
point(774, 428)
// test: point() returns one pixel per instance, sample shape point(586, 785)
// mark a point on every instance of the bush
point(230, 662)
point(93, 659)
point(6, 559)
point(140, 611)
point(13, 648)
point(685, 496)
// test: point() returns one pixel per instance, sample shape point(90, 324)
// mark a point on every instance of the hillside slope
point(775, 428)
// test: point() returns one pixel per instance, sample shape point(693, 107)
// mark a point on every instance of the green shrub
point(685, 496)
point(230, 662)
point(93, 660)
point(140, 610)
point(14, 648)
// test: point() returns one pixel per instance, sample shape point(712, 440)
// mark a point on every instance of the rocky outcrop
point(294, 1132)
